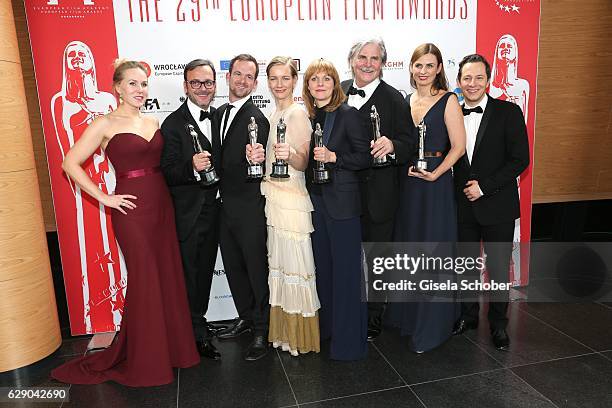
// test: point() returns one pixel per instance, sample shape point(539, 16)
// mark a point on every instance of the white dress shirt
point(472, 124)
point(357, 101)
point(205, 126)
point(232, 114)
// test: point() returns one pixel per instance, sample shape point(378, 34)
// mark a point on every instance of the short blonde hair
point(338, 96)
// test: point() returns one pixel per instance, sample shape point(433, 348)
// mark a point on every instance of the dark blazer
point(176, 162)
point(239, 194)
point(501, 153)
point(380, 187)
point(352, 147)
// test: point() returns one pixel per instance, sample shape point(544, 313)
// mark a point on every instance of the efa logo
point(56, 2)
point(151, 104)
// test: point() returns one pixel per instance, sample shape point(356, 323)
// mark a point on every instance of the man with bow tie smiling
point(196, 206)
point(497, 152)
point(380, 186)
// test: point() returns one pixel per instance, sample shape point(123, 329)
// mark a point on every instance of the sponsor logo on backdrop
point(394, 65)
point(260, 101)
point(168, 69)
point(224, 65)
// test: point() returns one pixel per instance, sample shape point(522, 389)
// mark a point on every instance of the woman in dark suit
point(336, 239)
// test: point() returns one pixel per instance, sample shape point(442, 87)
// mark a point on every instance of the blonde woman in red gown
point(156, 333)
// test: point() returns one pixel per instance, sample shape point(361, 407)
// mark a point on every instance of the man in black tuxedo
point(196, 207)
point(380, 186)
point(497, 152)
point(243, 221)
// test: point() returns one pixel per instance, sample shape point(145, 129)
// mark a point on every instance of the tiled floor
point(561, 356)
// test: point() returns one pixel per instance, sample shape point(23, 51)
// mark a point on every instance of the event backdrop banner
point(74, 43)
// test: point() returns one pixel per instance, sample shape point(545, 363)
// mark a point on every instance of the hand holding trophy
point(280, 168)
point(375, 119)
point(320, 172)
point(254, 170)
point(207, 176)
point(421, 163)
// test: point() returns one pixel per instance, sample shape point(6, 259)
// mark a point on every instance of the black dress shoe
point(215, 328)
point(208, 350)
point(234, 331)
point(500, 338)
point(373, 333)
point(462, 325)
point(257, 349)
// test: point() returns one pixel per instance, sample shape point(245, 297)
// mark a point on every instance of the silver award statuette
point(320, 172)
point(280, 169)
point(207, 176)
point(375, 119)
point(421, 163)
point(254, 170)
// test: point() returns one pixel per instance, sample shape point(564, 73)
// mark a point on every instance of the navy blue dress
point(427, 213)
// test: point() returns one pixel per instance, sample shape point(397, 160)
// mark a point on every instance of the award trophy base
point(320, 176)
point(380, 162)
point(209, 177)
point(280, 170)
point(254, 171)
point(421, 165)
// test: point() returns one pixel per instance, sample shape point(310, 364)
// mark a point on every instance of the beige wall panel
point(8, 50)
point(38, 140)
point(573, 146)
point(16, 149)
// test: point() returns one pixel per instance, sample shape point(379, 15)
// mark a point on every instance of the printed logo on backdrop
point(157, 105)
point(169, 69)
point(511, 6)
point(395, 65)
point(224, 65)
point(70, 10)
point(297, 62)
point(260, 101)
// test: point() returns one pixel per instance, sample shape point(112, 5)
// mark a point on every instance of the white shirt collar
point(238, 104)
point(369, 88)
point(482, 103)
point(195, 110)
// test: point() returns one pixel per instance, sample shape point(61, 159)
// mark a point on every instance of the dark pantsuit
point(497, 243)
point(199, 253)
point(337, 253)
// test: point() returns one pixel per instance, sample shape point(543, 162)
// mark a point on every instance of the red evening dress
point(156, 333)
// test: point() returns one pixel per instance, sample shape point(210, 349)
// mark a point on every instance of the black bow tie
point(467, 111)
point(354, 91)
point(205, 115)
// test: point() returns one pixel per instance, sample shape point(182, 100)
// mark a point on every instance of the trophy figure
point(207, 176)
point(280, 169)
point(421, 163)
point(254, 170)
point(375, 119)
point(320, 173)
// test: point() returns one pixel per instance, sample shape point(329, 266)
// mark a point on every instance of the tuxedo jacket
point(241, 197)
point(380, 186)
point(351, 144)
point(189, 195)
point(501, 153)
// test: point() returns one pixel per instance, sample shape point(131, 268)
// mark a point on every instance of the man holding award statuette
point(243, 221)
point(497, 152)
point(386, 119)
point(190, 135)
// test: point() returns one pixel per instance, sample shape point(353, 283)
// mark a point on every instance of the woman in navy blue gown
point(426, 211)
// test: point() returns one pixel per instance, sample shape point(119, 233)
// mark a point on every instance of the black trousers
point(245, 258)
point(372, 231)
point(497, 242)
point(199, 253)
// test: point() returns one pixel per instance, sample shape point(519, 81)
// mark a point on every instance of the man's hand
point(255, 154)
point(472, 190)
point(201, 161)
point(382, 147)
point(321, 154)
